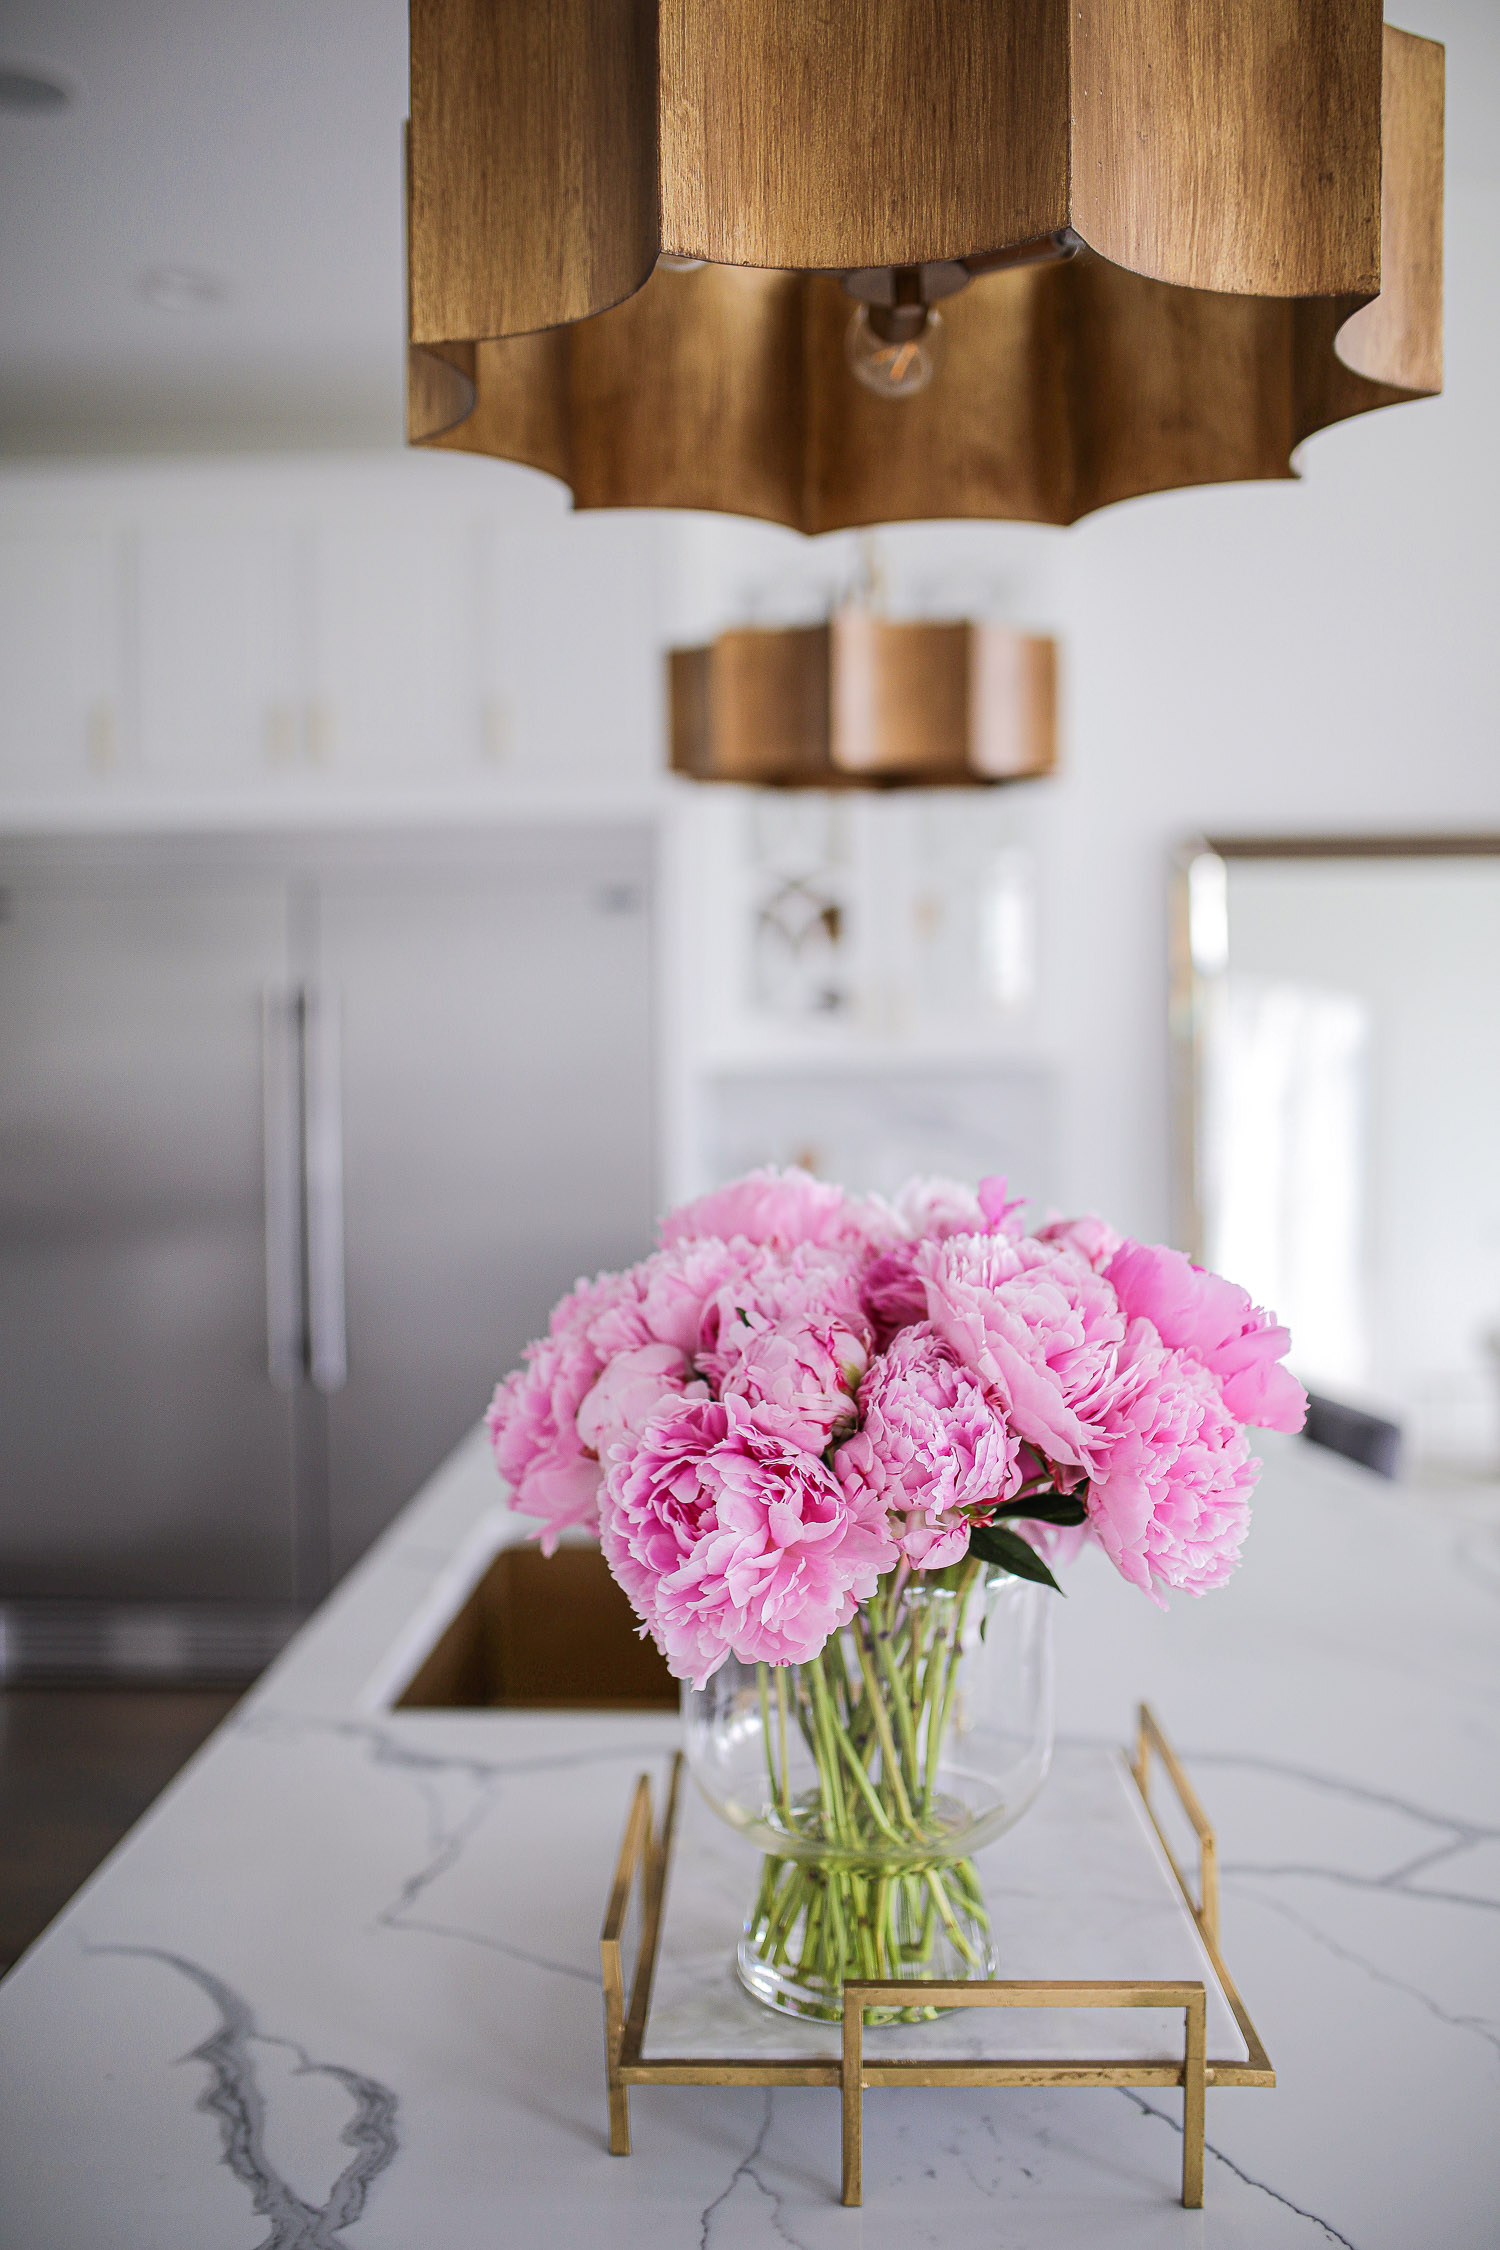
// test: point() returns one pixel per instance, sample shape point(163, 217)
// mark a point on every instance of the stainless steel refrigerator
point(300, 1137)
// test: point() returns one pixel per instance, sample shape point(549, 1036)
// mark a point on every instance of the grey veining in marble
point(342, 1983)
point(234, 2096)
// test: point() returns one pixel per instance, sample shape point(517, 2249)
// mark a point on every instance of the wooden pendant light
point(862, 702)
point(1167, 240)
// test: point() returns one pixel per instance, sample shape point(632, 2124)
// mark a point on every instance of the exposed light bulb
point(895, 350)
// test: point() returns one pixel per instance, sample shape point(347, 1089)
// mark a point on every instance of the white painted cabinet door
point(224, 629)
point(61, 715)
point(395, 697)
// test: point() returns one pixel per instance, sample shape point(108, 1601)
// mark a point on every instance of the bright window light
point(1286, 1111)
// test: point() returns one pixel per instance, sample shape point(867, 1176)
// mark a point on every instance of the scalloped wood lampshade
point(1170, 240)
point(863, 702)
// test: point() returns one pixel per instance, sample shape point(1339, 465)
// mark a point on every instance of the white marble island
point(340, 1988)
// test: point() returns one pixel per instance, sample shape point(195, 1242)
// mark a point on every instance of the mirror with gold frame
point(1336, 1045)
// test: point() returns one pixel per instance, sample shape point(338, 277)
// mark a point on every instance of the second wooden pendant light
point(866, 702)
point(879, 260)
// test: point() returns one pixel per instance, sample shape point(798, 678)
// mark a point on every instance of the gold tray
point(641, 1875)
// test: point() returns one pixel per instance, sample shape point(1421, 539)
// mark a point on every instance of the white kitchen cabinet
point(395, 691)
point(224, 652)
point(63, 717)
point(305, 632)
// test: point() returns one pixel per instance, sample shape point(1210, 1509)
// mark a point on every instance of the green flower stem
point(859, 1891)
point(935, 1692)
point(874, 1708)
point(825, 1758)
point(956, 1936)
point(892, 1764)
point(884, 1633)
point(812, 1937)
point(777, 1781)
point(861, 1779)
point(966, 1583)
point(918, 1634)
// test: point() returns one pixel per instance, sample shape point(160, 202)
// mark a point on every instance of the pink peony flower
point(731, 1541)
point(633, 1387)
point(533, 1418)
point(1039, 1328)
point(801, 1381)
point(590, 1305)
point(790, 1333)
point(660, 1301)
point(936, 1207)
point(781, 1208)
point(893, 1293)
point(1192, 1310)
point(532, 1423)
point(924, 1210)
point(679, 1284)
point(1000, 1207)
point(930, 1446)
point(1093, 1239)
point(1172, 1504)
point(702, 1390)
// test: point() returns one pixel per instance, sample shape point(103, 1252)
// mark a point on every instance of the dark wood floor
point(78, 1766)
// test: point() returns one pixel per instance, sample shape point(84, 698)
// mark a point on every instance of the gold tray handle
point(1149, 1738)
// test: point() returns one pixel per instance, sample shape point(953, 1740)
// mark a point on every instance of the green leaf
point(1047, 1507)
point(992, 1543)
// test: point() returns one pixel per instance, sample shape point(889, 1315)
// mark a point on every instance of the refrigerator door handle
point(281, 1094)
point(323, 1178)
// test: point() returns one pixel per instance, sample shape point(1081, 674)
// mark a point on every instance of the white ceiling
point(259, 141)
point(256, 140)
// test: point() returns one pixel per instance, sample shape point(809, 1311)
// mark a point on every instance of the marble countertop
point(339, 1990)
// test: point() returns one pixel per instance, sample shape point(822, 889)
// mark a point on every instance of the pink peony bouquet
point(802, 1391)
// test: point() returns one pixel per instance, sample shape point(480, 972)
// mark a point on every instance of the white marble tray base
point(1079, 1889)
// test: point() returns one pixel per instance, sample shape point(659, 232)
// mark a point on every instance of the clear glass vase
point(869, 1776)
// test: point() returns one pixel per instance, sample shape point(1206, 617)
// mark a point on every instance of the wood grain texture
point(522, 404)
point(440, 390)
point(865, 702)
point(768, 707)
point(692, 392)
point(1065, 387)
point(556, 145)
point(1013, 703)
point(995, 442)
point(690, 749)
point(1179, 386)
point(860, 132)
point(533, 174)
point(1230, 144)
point(1398, 340)
point(900, 703)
